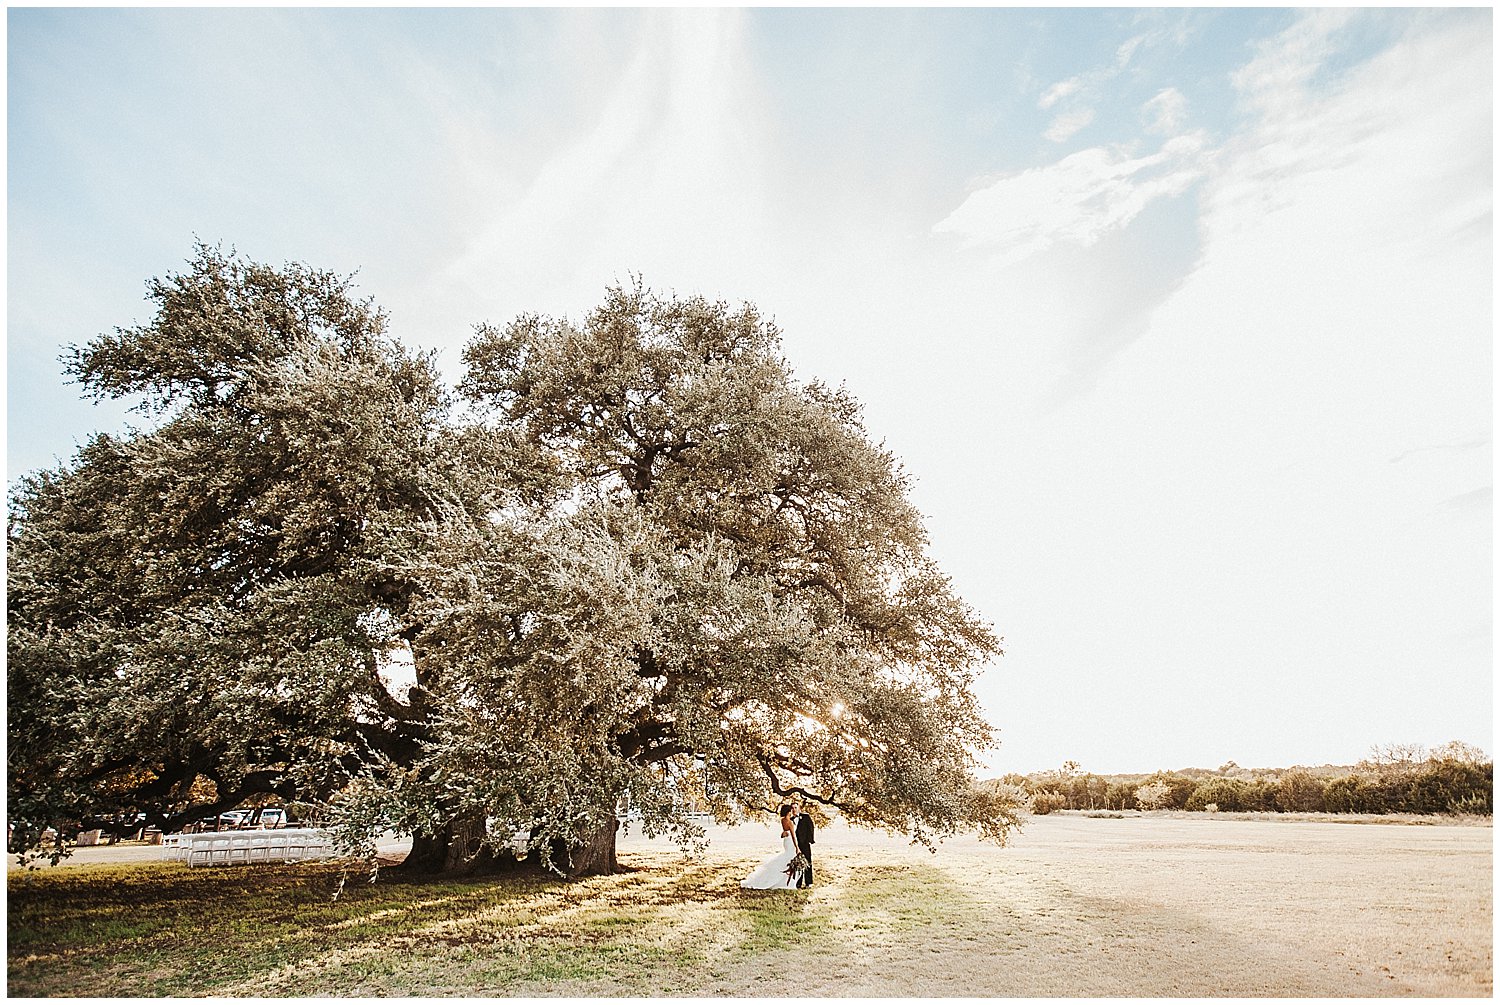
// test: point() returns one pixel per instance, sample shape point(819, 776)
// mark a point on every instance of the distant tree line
point(1455, 778)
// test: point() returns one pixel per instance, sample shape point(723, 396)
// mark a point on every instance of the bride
point(772, 874)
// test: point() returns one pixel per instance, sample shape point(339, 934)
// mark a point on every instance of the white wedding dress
point(772, 873)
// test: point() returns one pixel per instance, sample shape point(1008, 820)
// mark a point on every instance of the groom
point(802, 833)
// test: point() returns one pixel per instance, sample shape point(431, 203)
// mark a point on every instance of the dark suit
point(802, 832)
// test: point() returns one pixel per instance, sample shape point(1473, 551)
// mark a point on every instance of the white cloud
point(1127, 50)
point(1165, 113)
point(1085, 84)
point(1069, 123)
point(1058, 91)
point(1077, 200)
point(1077, 93)
point(1411, 117)
point(1284, 64)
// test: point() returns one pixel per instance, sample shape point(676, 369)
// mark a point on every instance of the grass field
point(1149, 906)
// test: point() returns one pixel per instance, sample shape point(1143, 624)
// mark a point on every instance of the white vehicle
point(226, 821)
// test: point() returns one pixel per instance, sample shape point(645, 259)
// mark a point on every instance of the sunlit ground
point(1075, 906)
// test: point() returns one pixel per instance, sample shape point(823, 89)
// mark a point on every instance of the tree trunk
point(595, 856)
point(459, 850)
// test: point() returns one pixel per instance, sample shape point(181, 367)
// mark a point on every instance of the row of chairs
point(295, 844)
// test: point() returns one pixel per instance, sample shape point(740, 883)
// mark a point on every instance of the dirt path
point(1153, 906)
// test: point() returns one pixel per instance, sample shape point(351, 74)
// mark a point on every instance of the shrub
point(1120, 796)
point(1153, 795)
point(1229, 794)
point(1086, 792)
point(1477, 793)
point(1352, 794)
point(1479, 804)
point(1298, 791)
point(1046, 801)
point(1181, 789)
point(1444, 784)
point(1260, 795)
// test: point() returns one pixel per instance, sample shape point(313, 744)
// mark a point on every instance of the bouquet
point(797, 866)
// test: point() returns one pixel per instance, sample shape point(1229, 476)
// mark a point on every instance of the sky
point(1180, 320)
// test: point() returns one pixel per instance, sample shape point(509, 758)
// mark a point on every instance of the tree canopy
point(634, 558)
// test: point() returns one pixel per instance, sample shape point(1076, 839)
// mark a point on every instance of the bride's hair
point(785, 809)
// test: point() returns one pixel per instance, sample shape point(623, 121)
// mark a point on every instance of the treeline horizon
point(1455, 778)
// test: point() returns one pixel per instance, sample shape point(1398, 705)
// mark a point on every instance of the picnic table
point(291, 844)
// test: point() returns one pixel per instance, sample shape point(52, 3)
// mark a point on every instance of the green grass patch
point(901, 898)
point(780, 921)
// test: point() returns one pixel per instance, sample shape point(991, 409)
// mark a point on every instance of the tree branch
point(795, 790)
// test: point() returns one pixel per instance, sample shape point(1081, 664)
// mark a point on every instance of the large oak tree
point(645, 564)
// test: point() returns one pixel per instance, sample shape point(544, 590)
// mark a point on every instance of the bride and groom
point(790, 868)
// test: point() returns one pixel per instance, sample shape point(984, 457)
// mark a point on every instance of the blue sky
point(1180, 319)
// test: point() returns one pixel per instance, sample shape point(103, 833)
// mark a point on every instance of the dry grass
point(1132, 906)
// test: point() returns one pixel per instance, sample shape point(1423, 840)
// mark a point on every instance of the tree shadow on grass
point(172, 930)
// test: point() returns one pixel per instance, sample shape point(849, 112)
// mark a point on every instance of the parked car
point(227, 821)
point(230, 820)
